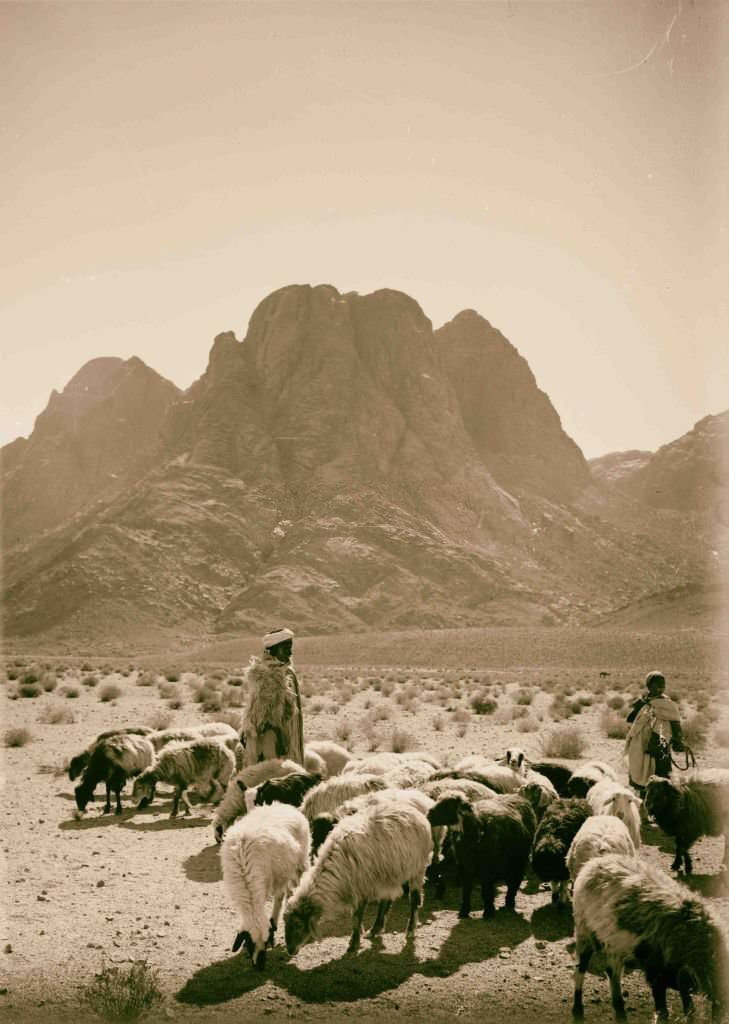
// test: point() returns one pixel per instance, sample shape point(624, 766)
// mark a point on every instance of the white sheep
point(586, 775)
point(368, 856)
point(409, 774)
point(333, 754)
point(263, 856)
point(328, 795)
point(315, 764)
point(631, 909)
point(202, 763)
point(378, 764)
point(609, 797)
point(233, 805)
point(323, 824)
point(597, 836)
point(206, 730)
point(503, 778)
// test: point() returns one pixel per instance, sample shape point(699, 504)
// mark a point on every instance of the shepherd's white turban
point(277, 636)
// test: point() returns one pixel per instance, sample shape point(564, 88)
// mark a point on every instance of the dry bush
point(439, 722)
point(401, 740)
point(172, 677)
point(49, 681)
point(29, 690)
point(71, 692)
point(616, 702)
point(613, 725)
point(461, 729)
point(343, 729)
point(696, 729)
point(461, 716)
point(168, 691)
point(90, 681)
point(527, 724)
point(523, 696)
point(483, 704)
point(146, 679)
point(123, 993)
point(17, 737)
point(56, 714)
point(109, 691)
point(560, 707)
point(563, 741)
point(159, 719)
point(317, 706)
point(237, 681)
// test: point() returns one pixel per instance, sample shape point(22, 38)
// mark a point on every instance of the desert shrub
point(232, 698)
point(616, 702)
point(56, 714)
point(560, 707)
point(563, 741)
point(613, 725)
point(384, 686)
point(175, 703)
point(17, 737)
point(49, 681)
point(160, 719)
point(167, 690)
point(146, 679)
point(343, 729)
point(90, 681)
point(123, 993)
point(71, 692)
point(172, 677)
point(237, 681)
point(482, 704)
point(584, 699)
point(30, 677)
point(401, 740)
point(696, 729)
point(527, 724)
point(523, 696)
point(317, 706)
point(461, 716)
point(29, 690)
point(109, 691)
point(461, 729)
point(439, 722)
point(213, 704)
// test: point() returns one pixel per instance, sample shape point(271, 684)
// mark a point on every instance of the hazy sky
point(559, 167)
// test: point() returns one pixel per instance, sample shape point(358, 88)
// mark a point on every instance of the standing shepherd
point(273, 719)
point(655, 727)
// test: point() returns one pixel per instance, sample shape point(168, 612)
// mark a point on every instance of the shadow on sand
point(204, 866)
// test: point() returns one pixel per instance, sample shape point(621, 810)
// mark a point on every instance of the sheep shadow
point(167, 824)
point(710, 886)
point(204, 866)
point(98, 821)
point(474, 939)
point(224, 980)
point(363, 975)
point(552, 922)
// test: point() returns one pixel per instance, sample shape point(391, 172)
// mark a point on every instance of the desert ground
point(86, 895)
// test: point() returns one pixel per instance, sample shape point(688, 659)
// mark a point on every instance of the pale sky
point(559, 167)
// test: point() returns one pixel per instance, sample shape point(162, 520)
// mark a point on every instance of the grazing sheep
point(558, 827)
point(409, 774)
point(472, 791)
point(608, 797)
point(333, 754)
point(201, 763)
point(263, 856)
point(206, 730)
point(586, 775)
point(559, 773)
point(597, 836)
point(287, 789)
point(540, 793)
point(328, 795)
point(500, 777)
point(78, 763)
point(516, 760)
point(369, 856)
point(323, 824)
point(379, 764)
point(630, 909)
point(233, 805)
point(696, 806)
point(113, 761)
point(466, 775)
point(492, 839)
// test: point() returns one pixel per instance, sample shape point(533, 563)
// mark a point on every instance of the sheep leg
point(357, 929)
point(659, 985)
point(275, 914)
point(615, 974)
point(415, 901)
point(175, 802)
point(107, 805)
point(687, 863)
point(379, 923)
point(217, 792)
point(488, 895)
point(511, 890)
point(466, 895)
point(118, 780)
point(186, 802)
point(583, 960)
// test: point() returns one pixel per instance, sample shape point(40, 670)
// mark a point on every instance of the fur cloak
point(274, 725)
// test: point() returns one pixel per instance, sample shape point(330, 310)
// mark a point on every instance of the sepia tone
point(402, 325)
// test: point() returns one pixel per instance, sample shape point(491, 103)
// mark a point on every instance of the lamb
point(263, 856)
point(201, 763)
point(328, 795)
point(334, 756)
point(287, 789)
point(630, 909)
point(598, 835)
point(492, 839)
point(78, 763)
point(369, 856)
point(694, 807)
point(233, 805)
point(558, 827)
point(113, 761)
point(586, 775)
point(608, 797)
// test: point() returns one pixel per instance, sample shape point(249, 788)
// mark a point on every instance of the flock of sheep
point(342, 832)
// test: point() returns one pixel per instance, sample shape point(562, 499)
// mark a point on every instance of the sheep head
point(449, 810)
point(83, 795)
point(265, 793)
point(143, 791)
point(515, 760)
point(321, 826)
point(301, 923)
point(538, 797)
point(662, 800)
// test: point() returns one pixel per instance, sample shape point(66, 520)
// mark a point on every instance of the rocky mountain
point(344, 466)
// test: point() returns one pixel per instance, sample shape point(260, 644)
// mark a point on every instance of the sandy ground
point(108, 890)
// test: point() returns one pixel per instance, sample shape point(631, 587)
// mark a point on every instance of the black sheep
point(288, 789)
point(559, 826)
point(113, 761)
point(690, 809)
point(492, 839)
point(558, 773)
point(77, 764)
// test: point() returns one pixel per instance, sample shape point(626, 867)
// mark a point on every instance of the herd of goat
point(342, 832)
